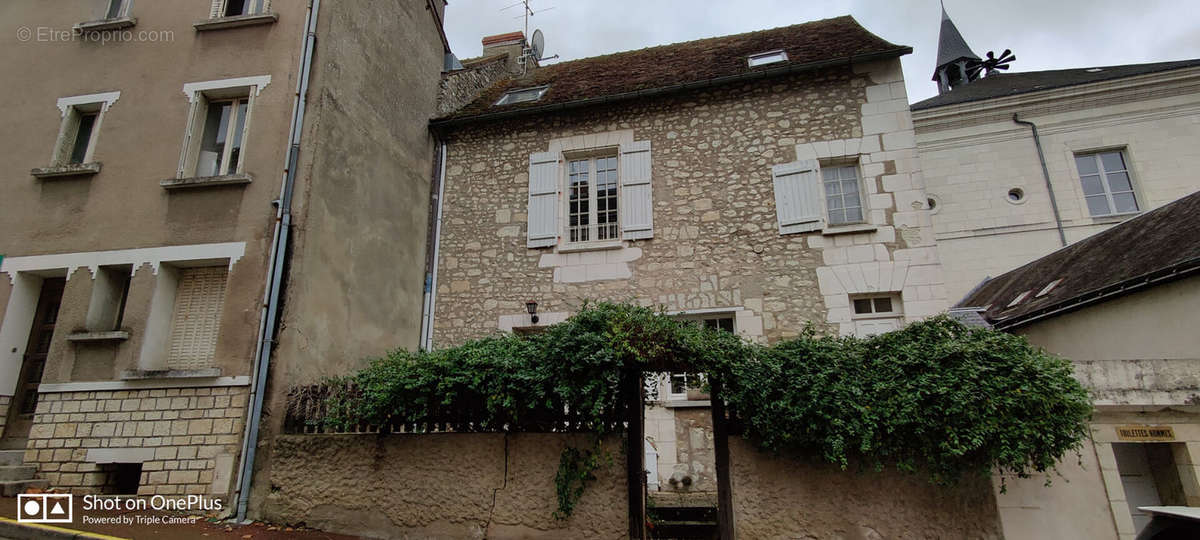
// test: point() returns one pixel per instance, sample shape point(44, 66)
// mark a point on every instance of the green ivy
point(935, 396)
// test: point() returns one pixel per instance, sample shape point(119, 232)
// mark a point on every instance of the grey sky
point(1044, 34)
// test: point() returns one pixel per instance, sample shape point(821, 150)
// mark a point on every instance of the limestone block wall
point(187, 439)
point(5, 402)
point(440, 486)
point(716, 243)
point(776, 497)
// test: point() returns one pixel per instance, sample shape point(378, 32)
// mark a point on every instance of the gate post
point(721, 449)
point(634, 454)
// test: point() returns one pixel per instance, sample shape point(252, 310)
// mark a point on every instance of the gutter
point(439, 125)
point(1174, 272)
point(1037, 141)
point(431, 265)
point(270, 312)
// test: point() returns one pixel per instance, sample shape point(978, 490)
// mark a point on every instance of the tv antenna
point(537, 42)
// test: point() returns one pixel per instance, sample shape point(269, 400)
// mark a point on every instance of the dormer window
point(522, 95)
point(769, 57)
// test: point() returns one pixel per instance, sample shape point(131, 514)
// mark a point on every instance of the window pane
point(1112, 161)
point(678, 383)
point(235, 7)
point(833, 188)
point(82, 137)
point(829, 174)
point(578, 198)
point(837, 217)
point(1086, 164)
point(851, 200)
point(1092, 185)
point(236, 152)
point(114, 9)
point(835, 203)
point(862, 305)
point(1119, 182)
point(1125, 202)
point(1098, 205)
point(853, 215)
point(883, 305)
point(212, 143)
point(725, 324)
point(850, 186)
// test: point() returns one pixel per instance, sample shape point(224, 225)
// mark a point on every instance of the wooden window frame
point(1103, 175)
point(593, 227)
point(897, 311)
point(201, 100)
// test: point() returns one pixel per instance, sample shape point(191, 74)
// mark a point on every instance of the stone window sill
point(116, 335)
point(104, 24)
point(138, 374)
point(58, 171)
point(849, 229)
point(195, 182)
point(237, 21)
point(686, 403)
point(1114, 218)
point(591, 246)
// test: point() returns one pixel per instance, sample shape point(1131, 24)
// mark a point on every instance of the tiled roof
point(637, 72)
point(1009, 84)
point(1160, 245)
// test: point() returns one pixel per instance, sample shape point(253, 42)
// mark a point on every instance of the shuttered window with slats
point(197, 317)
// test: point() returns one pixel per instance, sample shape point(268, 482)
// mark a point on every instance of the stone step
point(12, 488)
point(12, 457)
point(17, 472)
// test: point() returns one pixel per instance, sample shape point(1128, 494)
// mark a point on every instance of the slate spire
point(953, 55)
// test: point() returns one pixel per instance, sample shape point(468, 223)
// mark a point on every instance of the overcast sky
point(1044, 34)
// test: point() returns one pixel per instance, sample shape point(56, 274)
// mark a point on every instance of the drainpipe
point(1037, 141)
point(279, 243)
point(431, 271)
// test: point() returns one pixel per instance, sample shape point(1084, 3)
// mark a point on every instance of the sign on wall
point(1145, 433)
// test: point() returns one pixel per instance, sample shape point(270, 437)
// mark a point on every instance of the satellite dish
point(537, 44)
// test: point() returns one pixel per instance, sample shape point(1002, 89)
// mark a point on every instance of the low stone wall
point(192, 436)
point(775, 497)
point(454, 485)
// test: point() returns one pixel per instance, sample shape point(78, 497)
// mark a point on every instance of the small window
point(116, 9)
point(233, 8)
point(199, 299)
point(78, 135)
point(218, 148)
point(522, 95)
point(110, 291)
point(769, 57)
point(592, 201)
point(843, 198)
point(1107, 187)
point(874, 305)
point(83, 137)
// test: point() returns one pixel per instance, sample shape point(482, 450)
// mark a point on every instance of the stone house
point(758, 182)
point(158, 182)
point(1106, 143)
point(1120, 305)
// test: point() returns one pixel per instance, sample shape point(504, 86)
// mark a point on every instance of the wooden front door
point(25, 399)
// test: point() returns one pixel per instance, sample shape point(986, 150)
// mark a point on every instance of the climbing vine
point(935, 397)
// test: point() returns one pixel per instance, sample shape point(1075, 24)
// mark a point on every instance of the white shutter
point(217, 9)
point(543, 199)
point(637, 201)
point(197, 112)
point(197, 317)
point(799, 203)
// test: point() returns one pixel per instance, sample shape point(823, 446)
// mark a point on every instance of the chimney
point(513, 44)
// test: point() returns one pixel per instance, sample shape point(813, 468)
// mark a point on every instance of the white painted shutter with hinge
point(798, 198)
point(217, 9)
point(543, 199)
point(637, 201)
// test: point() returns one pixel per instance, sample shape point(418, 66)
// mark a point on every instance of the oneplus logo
point(45, 508)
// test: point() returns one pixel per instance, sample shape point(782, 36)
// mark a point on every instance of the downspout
point(1037, 141)
point(431, 271)
point(279, 243)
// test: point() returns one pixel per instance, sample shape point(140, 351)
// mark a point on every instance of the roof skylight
point(769, 57)
point(522, 94)
point(1046, 290)
point(1019, 297)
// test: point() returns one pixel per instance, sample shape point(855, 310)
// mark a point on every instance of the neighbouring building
point(756, 183)
point(1093, 147)
point(1120, 304)
point(167, 164)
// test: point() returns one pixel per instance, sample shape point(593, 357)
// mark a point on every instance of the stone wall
point(440, 486)
point(716, 242)
point(186, 438)
point(462, 86)
point(775, 497)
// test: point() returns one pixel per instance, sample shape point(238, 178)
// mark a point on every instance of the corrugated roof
point(1161, 244)
point(951, 45)
point(1008, 84)
point(666, 66)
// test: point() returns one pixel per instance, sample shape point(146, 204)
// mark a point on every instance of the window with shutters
point(218, 127)
point(197, 316)
point(1107, 186)
point(810, 197)
point(235, 8)
point(843, 198)
point(592, 199)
